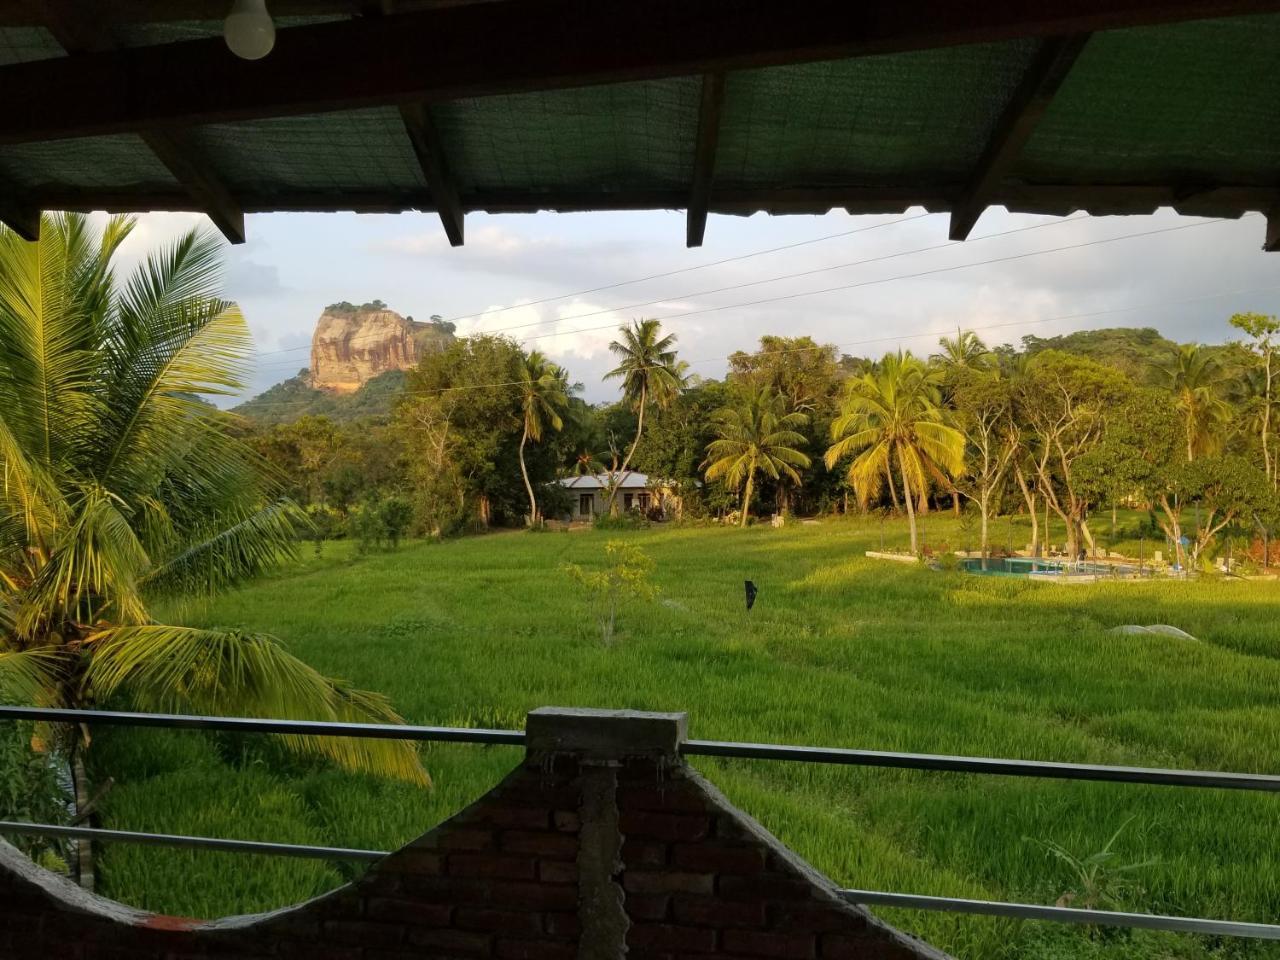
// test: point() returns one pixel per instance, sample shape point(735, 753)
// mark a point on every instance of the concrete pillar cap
point(605, 734)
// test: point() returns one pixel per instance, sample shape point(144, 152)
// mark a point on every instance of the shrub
point(396, 514)
point(624, 577)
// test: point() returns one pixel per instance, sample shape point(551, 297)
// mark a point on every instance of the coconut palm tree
point(755, 436)
point(1195, 378)
point(892, 417)
point(120, 484)
point(963, 350)
point(544, 394)
point(650, 373)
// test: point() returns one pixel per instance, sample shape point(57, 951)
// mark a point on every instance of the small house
point(636, 491)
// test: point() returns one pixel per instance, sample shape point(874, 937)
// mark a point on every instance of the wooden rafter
point(1054, 199)
point(19, 215)
point(1013, 128)
point(430, 153)
point(516, 45)
point(704, 157)
point(420, 128)
point(81, 31)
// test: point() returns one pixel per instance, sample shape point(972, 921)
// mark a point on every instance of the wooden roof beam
point(516, 46)
point(19, 216)
point(1272, 242)
point(420, 128)
point(81, 31)
point(430, 153)
point(1014, 127)
point(704, 157)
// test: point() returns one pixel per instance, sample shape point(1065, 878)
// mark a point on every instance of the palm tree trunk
point(80, 782)
point(911, 512)
point(1266, 422)
point(626, 461)
point(533, 502)
point(893, 488)
point(746, 497)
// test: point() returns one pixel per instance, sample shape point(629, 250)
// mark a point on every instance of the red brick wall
point(666, 866)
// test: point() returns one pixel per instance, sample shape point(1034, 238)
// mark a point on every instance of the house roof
point(1046, 106)
point(631, 480)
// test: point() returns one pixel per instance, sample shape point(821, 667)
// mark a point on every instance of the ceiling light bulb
point(248, 29)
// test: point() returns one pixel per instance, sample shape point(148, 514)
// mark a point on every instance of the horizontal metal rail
point(309, 728)
point(1026, 911)
point(705, 748)
point(1008, 768)
point(204, 843)
point(991, 908)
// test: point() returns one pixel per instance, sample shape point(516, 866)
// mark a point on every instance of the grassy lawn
point(840, 650)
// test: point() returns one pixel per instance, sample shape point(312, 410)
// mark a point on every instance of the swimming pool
point(1038, 567)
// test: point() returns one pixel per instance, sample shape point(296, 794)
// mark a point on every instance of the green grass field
point(840, 650)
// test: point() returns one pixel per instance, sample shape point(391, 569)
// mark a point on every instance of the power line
point(886, 339)
point(724, 289)
point(901, 276)
point(703, 266)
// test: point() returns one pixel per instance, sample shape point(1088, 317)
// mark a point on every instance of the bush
point(30, 791)
point(625, 576)
point(626, 520)
point(396, 514)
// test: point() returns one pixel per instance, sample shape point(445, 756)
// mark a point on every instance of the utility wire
point(885, 339)
point(724, 289)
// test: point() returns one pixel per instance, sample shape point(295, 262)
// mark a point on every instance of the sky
point(871, 285)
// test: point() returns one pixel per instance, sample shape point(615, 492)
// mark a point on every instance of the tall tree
point(121, 484)
point(964, 351)
point(1264, 330)
point(1063, 401)
point(1195, 379)
point(543, 397)
point(757, 435)
point(984, 411)
point(650, 373)
point(892, 418)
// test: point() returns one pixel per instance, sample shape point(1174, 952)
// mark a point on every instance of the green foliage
point(30, 791)
point(123, 486)
point(1100, 880)
point(295, 398)
point(624, 577)
point(757, 436)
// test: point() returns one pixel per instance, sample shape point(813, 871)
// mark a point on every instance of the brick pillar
point(602, 844)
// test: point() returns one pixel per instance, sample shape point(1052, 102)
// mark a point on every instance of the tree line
point(1063, 426)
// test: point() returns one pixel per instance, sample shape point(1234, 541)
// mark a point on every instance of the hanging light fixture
point(248, 29)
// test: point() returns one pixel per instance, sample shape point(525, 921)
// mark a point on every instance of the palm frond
point(227, 555)
point(215, 671)
point(31, 676)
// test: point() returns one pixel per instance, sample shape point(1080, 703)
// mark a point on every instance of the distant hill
point(1131, 349)
point(295, 397)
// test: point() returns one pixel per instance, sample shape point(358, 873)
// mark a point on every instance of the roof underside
point(1179, 114)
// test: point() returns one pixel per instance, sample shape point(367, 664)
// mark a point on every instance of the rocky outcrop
point(352, 345)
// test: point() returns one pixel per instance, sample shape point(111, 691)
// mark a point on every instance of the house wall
point(602, 844)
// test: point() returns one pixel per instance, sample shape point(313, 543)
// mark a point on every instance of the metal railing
point(704, 748)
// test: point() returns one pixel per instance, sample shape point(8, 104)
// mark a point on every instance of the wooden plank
point(1055, 199)
point(704, 157)
point(516, 45)
point(430, 153)
point(1013, 128)
point(81, 30)
point(176, 150)
point(19, 215)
